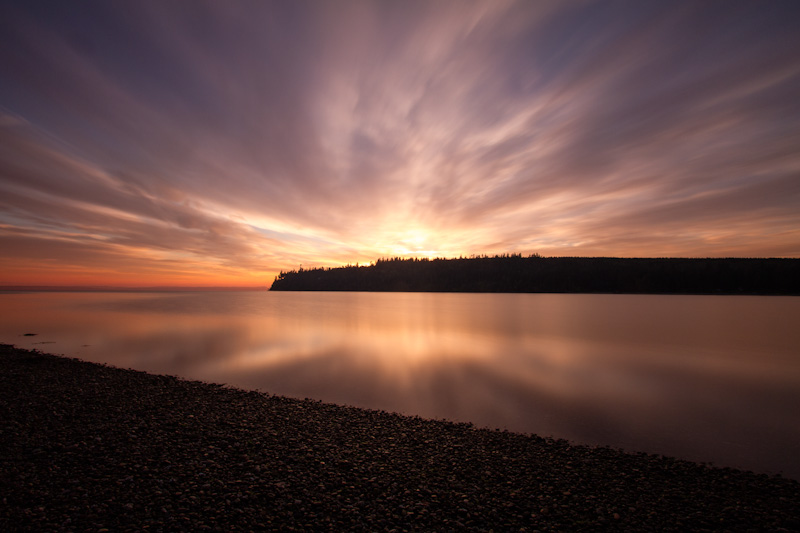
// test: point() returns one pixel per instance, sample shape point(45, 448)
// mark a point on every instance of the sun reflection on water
point(676, 375)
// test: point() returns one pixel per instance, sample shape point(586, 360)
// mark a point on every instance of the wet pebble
point(87, 447)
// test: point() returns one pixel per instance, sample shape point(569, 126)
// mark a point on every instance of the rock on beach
point(88, 447)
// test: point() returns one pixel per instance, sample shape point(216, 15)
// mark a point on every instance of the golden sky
point(216, 143)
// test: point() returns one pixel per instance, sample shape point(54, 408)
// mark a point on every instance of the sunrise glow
point(220, 143)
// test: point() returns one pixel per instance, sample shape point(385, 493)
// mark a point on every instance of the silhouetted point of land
point(535, 274)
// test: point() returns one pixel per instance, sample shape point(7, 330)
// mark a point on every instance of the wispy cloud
point(221, 142)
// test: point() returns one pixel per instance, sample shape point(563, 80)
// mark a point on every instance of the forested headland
point(515, 273)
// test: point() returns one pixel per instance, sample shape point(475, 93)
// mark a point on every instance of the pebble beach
point(88, 447)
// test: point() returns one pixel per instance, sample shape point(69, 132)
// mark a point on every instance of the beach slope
point(90, 447)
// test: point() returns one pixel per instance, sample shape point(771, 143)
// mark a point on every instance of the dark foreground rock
point(86, 447)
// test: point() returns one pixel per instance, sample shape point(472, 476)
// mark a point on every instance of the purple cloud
point(255, 136)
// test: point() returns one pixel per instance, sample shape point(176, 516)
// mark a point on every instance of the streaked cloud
point(217, 143)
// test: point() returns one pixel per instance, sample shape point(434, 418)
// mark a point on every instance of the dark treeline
point(515, 273)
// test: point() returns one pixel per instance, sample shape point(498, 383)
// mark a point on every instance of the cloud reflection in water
point(707, 378)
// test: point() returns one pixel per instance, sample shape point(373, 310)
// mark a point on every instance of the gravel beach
point(87, 447)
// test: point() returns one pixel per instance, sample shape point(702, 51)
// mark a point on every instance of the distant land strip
point(115, 288)
point(532, 274)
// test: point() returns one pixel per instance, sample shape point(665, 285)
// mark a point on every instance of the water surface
point(706, 378)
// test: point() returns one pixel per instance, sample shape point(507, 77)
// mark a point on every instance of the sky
point(191, 143)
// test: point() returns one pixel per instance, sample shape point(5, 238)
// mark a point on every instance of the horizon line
point(124, 288)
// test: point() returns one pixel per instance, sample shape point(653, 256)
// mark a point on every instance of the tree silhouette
point(515, 273)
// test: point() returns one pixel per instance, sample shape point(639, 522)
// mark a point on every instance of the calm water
point(707, 378)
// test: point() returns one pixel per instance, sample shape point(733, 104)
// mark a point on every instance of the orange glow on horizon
point(455, 130)
point(135, 272)
point(23, 274)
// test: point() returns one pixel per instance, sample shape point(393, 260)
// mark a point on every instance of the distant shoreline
point(88, 446)
point(535, 274)
point(96, 288)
